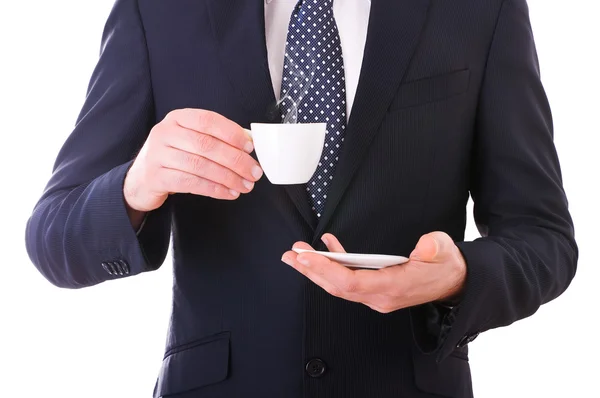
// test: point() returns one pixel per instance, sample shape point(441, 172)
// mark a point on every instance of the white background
point(107, 341)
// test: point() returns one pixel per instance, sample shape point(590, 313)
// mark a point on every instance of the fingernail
point(233, 193)
point(249, 147)
point(248, 184)
point(325, 240)
point(303, 260)
point(257, 172)
point(286, 259)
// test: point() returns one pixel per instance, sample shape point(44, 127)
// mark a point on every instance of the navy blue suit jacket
point(449, 103)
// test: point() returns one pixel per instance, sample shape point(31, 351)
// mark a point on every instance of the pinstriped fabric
point(421, 137)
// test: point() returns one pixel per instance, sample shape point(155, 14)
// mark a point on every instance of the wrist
point(450, 302)
point(136, 217)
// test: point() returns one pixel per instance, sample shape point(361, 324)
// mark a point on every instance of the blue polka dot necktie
point(313, 89)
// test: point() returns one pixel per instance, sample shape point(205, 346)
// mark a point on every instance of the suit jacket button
point(315, 367)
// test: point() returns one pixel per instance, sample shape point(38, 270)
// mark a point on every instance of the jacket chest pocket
point(431, 89)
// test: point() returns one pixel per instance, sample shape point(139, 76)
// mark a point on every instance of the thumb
point(431, 247)
point(333, 244)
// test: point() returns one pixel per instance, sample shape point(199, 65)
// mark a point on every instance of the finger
point(215, 125)
point(349, 282)
point(177, 181)
point(372, 282)
point(302, 245)
point(332, 243)
point(216, 150)
point(378, 300)
point(291, 258)
point(176, 159)
point(431, 247)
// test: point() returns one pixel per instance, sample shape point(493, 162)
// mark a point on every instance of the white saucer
point(355, 260)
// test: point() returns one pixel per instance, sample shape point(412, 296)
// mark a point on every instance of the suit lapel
point(393, 34)
point(239, 28)
point(300, 198)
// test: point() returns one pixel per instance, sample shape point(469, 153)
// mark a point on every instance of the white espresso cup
point(288, 153)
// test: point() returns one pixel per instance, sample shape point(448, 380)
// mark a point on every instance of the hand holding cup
point(191, 151)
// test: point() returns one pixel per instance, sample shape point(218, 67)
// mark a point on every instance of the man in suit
point(426, 102)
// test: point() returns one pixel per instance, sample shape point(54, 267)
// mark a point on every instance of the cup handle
point(249, 132)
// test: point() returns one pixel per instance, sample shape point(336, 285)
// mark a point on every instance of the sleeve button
point(107, 268)
point(466, 340)
point(124, 267)
point(117, 266)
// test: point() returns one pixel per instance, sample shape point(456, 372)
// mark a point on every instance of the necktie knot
point(315, 6)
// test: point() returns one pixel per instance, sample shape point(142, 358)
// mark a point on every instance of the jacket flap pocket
point(431, 89)
point(450, 378)
point(194, 365)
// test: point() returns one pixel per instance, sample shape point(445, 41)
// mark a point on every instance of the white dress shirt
point(352, 18)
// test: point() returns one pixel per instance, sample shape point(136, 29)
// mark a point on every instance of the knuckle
point(231, 136)
point(320, 270)
point(205, 120)
point(350, 284)
point(157, 131)
point(176, 116)
point(197, 163)
point(379, 307)
point(230, 178)
point(172, 115)
point(205, 143)
point(374, 308)
point(441, 237)
point(237, 158)
point(183, 182)
point(216, 190)
point(439, 234)
point(387, 304)
point(334, 291)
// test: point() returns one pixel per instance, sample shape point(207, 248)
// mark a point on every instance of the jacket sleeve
point(79, 233)
point(527, 255)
